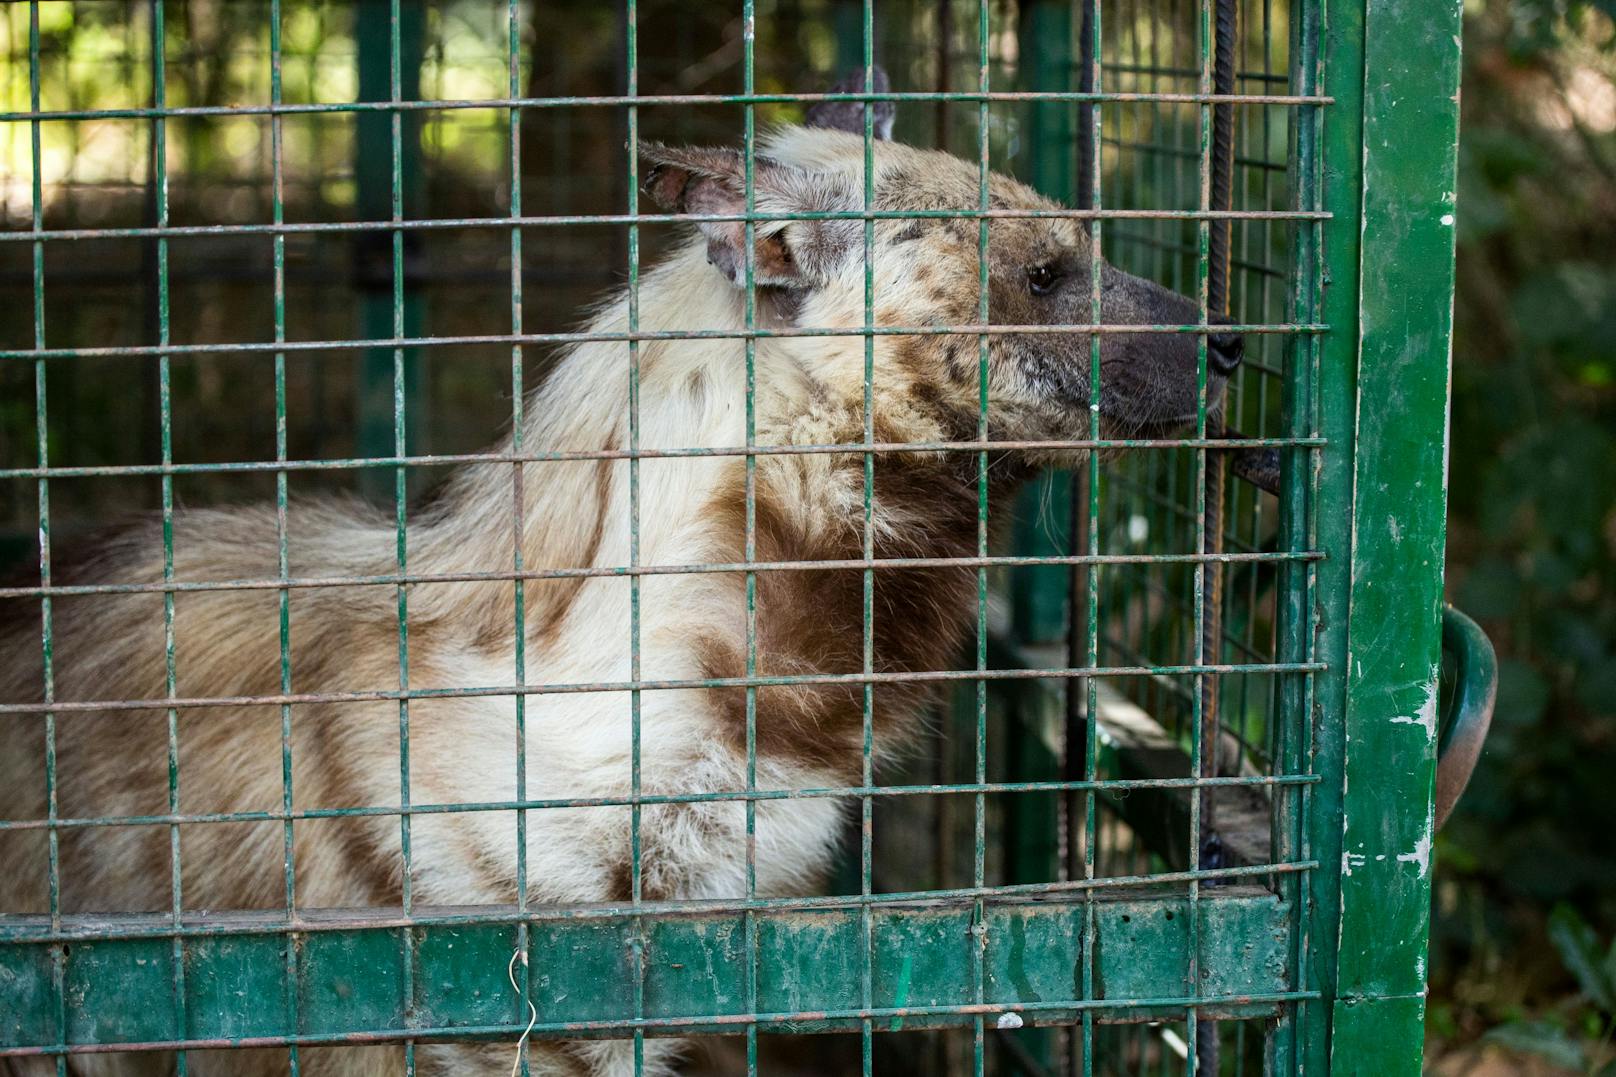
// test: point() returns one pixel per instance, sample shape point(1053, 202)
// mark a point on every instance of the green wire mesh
point(222, 166)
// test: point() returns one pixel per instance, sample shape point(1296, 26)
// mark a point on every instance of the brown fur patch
point(812, 621)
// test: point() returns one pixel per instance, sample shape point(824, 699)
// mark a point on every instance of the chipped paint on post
point(1393, 636)
point(1426, 718)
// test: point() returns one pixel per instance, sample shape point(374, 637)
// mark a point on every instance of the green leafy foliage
point(1590, 962)
point(1580, 1039)
point(1532, 546)
point(1542, 1038)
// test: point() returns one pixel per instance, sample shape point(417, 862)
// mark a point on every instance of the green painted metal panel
point(1389, 167)
point(1331, 143)
point(684, 959)
point(1410, 137)
point(1374, 1036)
point(27, 992)
point(582, 972)
point(350, 981)
point(236, 983)
point(119, 990)
point(460, 977)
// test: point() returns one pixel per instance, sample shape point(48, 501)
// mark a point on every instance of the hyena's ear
point(712, 182)
point(849, 115)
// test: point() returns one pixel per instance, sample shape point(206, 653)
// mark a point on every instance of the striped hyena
point(574, 513)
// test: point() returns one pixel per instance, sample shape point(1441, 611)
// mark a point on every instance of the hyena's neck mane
point(811, 507)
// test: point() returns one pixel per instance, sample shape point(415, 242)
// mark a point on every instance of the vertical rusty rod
point(1207, 1047)
point(1216, 463)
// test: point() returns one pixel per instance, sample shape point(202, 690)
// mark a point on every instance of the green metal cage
point(1177, 813)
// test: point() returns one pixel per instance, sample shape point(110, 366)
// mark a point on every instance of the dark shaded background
point(1532, 533)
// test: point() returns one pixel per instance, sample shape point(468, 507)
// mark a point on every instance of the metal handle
point(1473, 690)
point(1469, 711)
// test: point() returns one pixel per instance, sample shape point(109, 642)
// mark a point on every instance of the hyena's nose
point(1223, 350)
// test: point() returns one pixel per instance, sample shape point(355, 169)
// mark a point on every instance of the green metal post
point(847, 26)
point(1405, 316)
point(373, 260)
point(1048, 162)
point(1389, 352)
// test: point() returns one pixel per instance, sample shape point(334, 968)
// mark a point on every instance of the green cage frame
point(1323, 939)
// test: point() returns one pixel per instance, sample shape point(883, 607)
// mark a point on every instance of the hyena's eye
point(1043, 279)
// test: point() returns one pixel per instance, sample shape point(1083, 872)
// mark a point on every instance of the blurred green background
point(1526, 870)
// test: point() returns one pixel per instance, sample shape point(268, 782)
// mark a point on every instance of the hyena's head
point(926, 273)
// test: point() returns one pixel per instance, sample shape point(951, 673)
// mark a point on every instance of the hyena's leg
point(120, 1064)
point(267, 1062)
point(615, 1058)
point(573, 1058)
point(577, 1058)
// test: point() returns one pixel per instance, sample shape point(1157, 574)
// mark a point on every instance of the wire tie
point(533, 1018)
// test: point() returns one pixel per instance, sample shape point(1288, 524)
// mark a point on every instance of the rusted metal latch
point(1470, 692)
point(1469, 680)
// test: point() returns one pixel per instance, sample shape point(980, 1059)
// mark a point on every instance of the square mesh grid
point(329, 248)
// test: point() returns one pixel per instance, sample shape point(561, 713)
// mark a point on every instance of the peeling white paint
point(1428, 708)
point(1352, 860)
point(1421, 855)
point(1426, 718)
point(1447, 219)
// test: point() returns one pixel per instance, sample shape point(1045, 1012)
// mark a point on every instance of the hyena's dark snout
point(1155, 376)
point(1224, 350)
point(1145, 301)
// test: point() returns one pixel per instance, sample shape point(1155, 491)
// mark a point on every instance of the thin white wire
point(533, 1019)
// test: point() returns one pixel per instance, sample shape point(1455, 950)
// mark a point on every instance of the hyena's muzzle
point(1150, 381)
